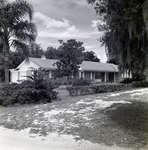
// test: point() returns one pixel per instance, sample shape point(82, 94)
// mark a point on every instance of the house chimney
point(43, 57)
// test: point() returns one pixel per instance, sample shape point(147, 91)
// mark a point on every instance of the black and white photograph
point(73, 75)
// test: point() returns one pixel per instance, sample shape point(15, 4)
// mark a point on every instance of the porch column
point(114, 76)
point(83, 75)
point(80, 72)
point(49, 74)
point(104, 76)
point(90, 75)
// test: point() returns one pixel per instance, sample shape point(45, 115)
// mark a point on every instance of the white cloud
point(72, 29)
point(70, 32)
point(104, 58)
point(50, 22)
point(94, 23)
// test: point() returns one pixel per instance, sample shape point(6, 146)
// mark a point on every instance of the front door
point(111, 77)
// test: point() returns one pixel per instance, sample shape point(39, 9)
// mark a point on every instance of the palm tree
point(16, 28)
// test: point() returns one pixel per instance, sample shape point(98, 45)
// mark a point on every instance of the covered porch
point(100, 76)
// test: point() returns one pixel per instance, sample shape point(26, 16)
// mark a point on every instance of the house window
point(87, 75)
point(97, 75)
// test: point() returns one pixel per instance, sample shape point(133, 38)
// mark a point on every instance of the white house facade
point(100, 72)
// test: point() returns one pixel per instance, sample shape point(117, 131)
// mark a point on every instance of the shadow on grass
point(133, 119)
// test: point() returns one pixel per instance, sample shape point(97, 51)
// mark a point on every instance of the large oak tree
point(125, 28)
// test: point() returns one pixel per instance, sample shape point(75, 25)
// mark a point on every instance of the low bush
point(104, 87)
point(136, 84)
point(81, 82)
point(127, 80)
point(94, 89)
point(27, 92)
point(134, 79)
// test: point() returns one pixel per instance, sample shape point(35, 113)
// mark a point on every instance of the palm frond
point(21, 8)
point(20, 46)
point(25, 31)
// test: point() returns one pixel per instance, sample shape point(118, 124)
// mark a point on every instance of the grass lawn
point(118, 118)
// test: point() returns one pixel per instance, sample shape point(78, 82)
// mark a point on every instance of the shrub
point(27, 92)
point(55, 83)
point(94, 89)
point(137, 84)
point(81, 82)
point(135, 79)
point(127, 80)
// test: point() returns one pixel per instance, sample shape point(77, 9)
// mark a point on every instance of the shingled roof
point(96, 66)
point(85, 66)
point(44, 63)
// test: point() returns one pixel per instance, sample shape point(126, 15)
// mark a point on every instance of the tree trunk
point(68, 81)
point(6, 69)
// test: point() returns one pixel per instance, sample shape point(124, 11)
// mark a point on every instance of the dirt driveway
point(110, 121)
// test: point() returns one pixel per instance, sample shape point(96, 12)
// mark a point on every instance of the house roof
point(85, 66)
point(44, 63)
point(96, 66)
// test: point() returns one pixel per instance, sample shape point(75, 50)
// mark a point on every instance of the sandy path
point(20, 140)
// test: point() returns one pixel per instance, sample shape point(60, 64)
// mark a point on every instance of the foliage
point(2, 72)
point(35, 50)
point(136, 84)
point(104, 88)
point(130, 80)
point(90, 56)
point(70, 58)
point(15, 58)
point(94, 89)
point(125, 28)
point(81, 82)
point(52, 53)
point(25, 93)
point(40, 81)
point(14, 29)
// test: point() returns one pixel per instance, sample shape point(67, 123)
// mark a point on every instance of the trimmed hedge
point(95, 88)
point(81, 82)
point(104, 88)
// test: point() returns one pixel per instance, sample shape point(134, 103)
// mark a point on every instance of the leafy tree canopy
point(125, 28)
point(52, 53)
point(71, 56)
point(35, 50)
point(90, 56)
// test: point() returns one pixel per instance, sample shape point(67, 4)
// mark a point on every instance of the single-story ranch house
point(100, 72)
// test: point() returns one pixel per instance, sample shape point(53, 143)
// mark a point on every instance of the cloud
point(94, 23)
point(104, 59)
point(70, 32)
point(50, 22)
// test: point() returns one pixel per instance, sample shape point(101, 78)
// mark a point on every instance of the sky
point(67, 19)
